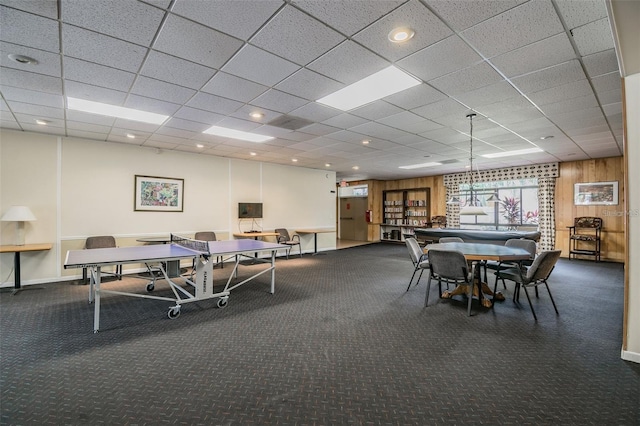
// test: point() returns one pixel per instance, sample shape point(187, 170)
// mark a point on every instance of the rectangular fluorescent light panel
point(383, 83)
point(419, 166)
point(510, 153)
point(115, 111)
point(236, 134)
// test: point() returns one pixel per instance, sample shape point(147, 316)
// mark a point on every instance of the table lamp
point(20, 215)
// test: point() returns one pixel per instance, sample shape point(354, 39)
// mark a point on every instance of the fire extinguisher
point(367, 216)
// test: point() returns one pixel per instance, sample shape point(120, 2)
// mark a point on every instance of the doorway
point(353, 224)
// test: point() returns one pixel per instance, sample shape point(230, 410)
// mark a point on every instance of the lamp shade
point(18, 214)
point(472, 211)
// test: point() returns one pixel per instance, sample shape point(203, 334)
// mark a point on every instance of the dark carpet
point(340, 342)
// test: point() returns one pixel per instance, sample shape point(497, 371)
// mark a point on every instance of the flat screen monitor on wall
point(249, 210)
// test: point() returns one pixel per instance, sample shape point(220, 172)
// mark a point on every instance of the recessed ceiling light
point(295, 160)
point(401, 34)
point(256, 115)
point(199, 145)
point(115, 111)
point(236, 134)
point(365, 142)
point(383, 83)
point(253, 154)
point(510, 153)
point(131, 136)
point(21, 59)
point(546, 137)
point(419, 166)
point(327, 165)
point(42, 122)
point(356, 168)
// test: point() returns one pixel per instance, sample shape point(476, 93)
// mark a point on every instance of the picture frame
point(595, 193)
point(158, 194)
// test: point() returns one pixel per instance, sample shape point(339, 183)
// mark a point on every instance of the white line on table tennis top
point(159, 253)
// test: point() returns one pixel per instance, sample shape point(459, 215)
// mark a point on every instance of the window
point(517, 207)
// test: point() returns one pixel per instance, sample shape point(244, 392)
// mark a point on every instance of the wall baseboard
point(630, 356)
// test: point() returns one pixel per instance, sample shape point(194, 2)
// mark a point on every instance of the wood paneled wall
point(599, 170)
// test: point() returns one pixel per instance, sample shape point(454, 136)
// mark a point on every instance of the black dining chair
point(537, 274)
point(451, 267)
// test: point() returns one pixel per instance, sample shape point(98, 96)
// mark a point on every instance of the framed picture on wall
point(158, 194)
point(596, 193)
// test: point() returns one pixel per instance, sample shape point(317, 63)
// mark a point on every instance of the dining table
point(475, 253)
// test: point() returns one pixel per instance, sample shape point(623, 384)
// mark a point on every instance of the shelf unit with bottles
point(403, 210)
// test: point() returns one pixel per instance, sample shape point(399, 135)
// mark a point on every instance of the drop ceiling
point(529, 69)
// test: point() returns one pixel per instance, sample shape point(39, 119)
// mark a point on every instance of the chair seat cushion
point(512, 274)
point(291, 242)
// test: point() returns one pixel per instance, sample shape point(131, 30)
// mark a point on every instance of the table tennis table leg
point(96, 308)
point(273, 271)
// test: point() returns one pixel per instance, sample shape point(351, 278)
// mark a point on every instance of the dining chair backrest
point(415, 252)
point(103, 241)
point(524, 243)
point(451, 240)
point(449, 264)
point(542, 266)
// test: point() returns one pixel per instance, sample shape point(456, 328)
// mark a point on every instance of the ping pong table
point(179, 249)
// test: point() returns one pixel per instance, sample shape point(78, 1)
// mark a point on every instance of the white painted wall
point(78, 188)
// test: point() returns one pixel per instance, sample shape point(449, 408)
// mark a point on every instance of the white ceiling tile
point(88, 127)
point(441, 108)
point(232, 87)
point(413, 14)
point(315, 112)
point(99, 75)
point(462, 14)
point(100, 136)
point(439, 59)
point(536, 56)
point(198, 115)
point(32, 97)
point(610, 96)
point(78, 90)
point(559, 93)
point(276, 100)
point(101, 49)
point(508, 105)
point(601, 63)
point(467, 79)
point(238, 18)
point(296, 36)
point(572, 104)
point(129, 20)
point(177, 71)
point(30, 120)
point(607, 82)
point(36, 110)
point(348, 17)
point(593, 37)
point(60, 131)
point(308, 84)
point(415, 97)
point(135, 126)
point(213, 103)
point(85, 117)
point(376, 110)
point(318, 129)
point(344, 121)
point(409, 122)
point(244, 113)
point(348, 63)
point(48, 63)
point(197, 43)
point(48, 9)
point(517, 27)
point(152, 88)
point(580, 12)
point(525, 114)
point(489, 94)
point(29, 30)
point(31, 81)
point(550, 77)
point(151, 105)
point(612, 109)
point(179, 123)
point(238, 124)
point(262, 67)
point(378, 130)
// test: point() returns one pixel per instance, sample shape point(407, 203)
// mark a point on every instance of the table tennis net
point(201, 246)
